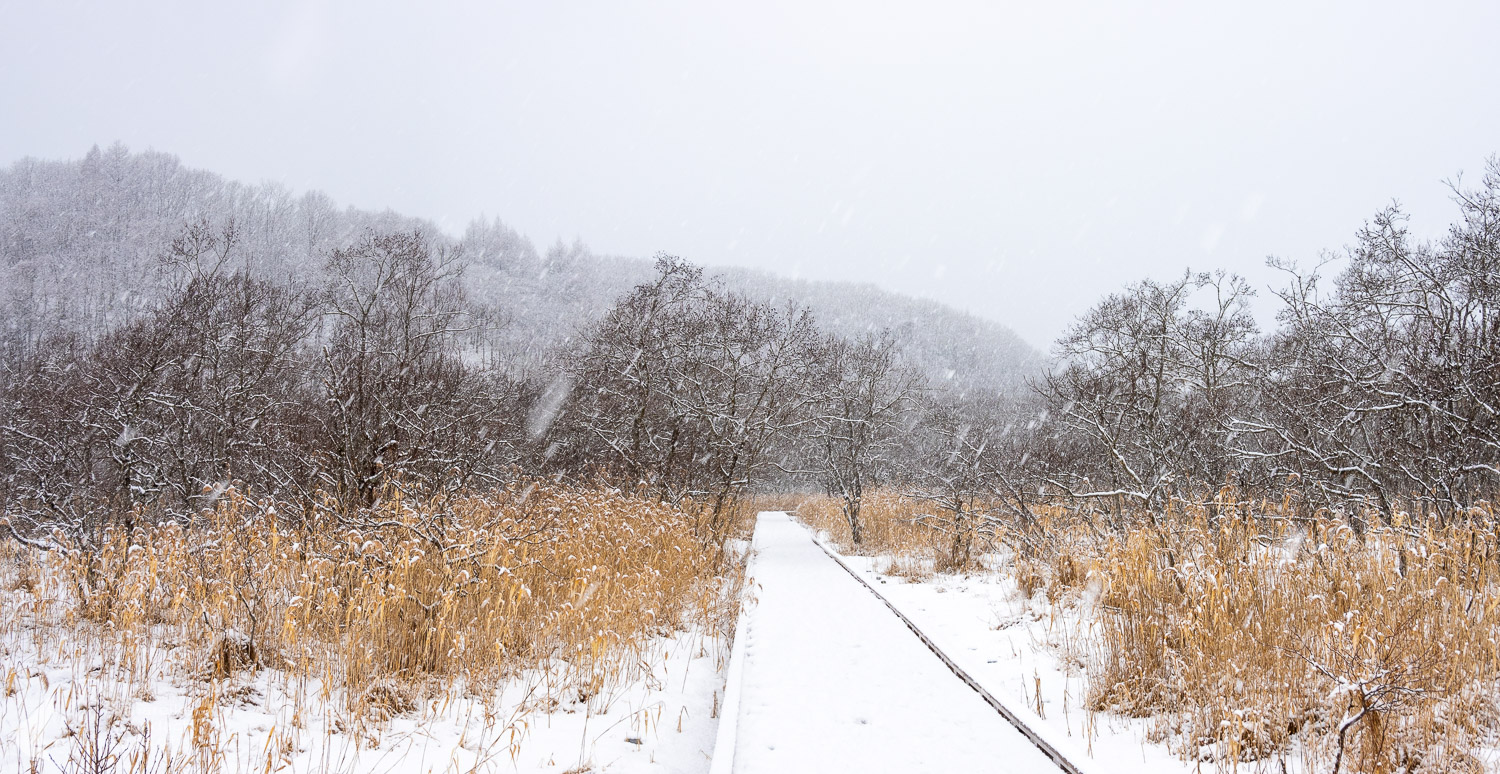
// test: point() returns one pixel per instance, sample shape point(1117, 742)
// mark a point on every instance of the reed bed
point(1261, 637)
point(787, 502)
point(890, 522)
point(379, 612)
point(1256, 636)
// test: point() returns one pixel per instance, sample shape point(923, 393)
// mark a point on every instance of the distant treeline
point(81, 244)
point(331, 370)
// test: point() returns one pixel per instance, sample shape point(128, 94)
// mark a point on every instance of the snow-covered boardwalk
point(833, 682)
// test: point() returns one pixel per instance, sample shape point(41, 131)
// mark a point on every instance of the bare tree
point(165, 411)
point(239, 393)
point(1148, 385)
point(624, 416)
point(684, 388)
point(400, 406)
point(1388, 387)
point(956, 470)
point(865, 393)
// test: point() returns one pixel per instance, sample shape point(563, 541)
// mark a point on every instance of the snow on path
point(833, 682)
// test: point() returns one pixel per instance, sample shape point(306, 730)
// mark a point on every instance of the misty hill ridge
point(80, 243)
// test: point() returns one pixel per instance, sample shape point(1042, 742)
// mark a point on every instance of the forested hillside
point(82, 246)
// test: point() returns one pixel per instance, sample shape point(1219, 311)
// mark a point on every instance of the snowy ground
point(1030, 654)
point(830, 680)
point(1034, 654)
point(62, 697)
point(1021, 649)
point(834, 682)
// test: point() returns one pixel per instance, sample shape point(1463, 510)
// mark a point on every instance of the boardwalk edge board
point(729, 712)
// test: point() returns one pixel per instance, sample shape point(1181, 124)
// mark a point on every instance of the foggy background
point(1015, 160)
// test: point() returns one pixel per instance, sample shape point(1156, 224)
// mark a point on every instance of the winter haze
point(1015, 160)
point(635, 388)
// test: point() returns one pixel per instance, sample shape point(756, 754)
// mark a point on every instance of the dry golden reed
point(1257, 629)
point(1251, 632)
point(411, 594)
point(889, 523)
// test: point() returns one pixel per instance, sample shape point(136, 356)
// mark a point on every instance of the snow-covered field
point(1033, 655)
point(1030, 654)
point(834, 682)
point(829, 680)
point(69, 704)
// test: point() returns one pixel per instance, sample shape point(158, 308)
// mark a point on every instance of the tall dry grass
point(890, 522)
point(1260, 636)
point(787, 502)
point(892, 525)
point(1256, 635)
point(410, 600)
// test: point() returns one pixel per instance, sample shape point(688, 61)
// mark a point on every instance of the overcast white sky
point(1015, 159)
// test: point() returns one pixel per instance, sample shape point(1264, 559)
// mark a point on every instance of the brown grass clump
point(385, 699)
point(787, 502)
point(1249, 631)
point(891, 523)
point(235, 651)
point(1052, 554)
point(1252, 633)
point(410, 595)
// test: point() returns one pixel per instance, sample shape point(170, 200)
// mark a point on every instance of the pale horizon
point(1016, 162)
